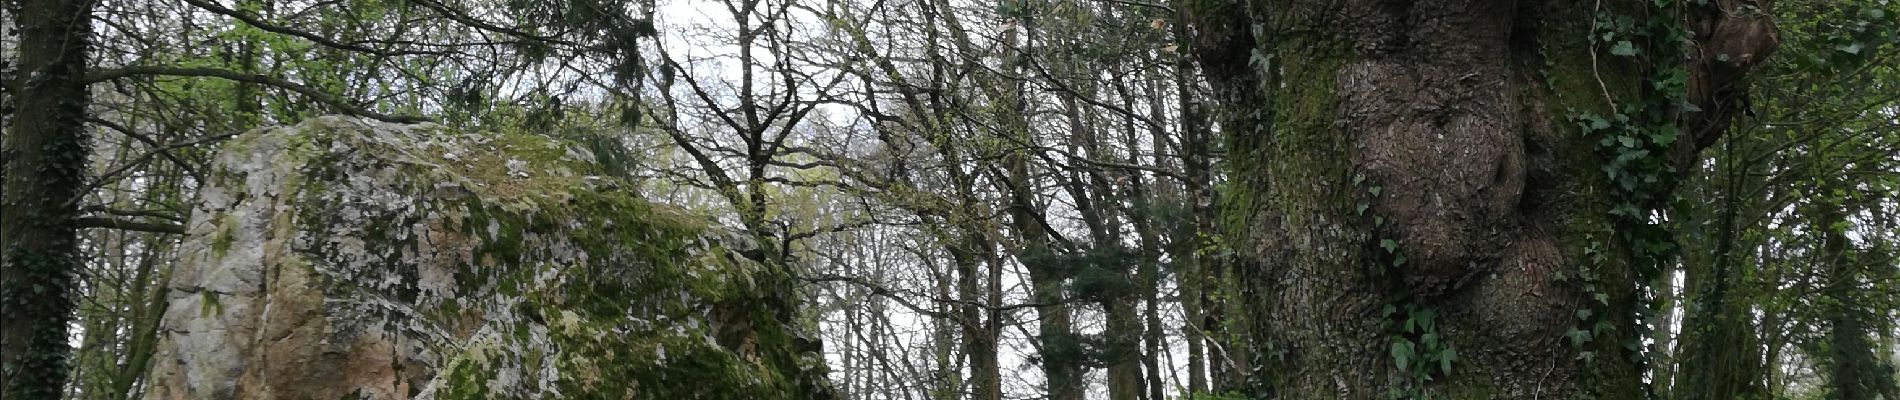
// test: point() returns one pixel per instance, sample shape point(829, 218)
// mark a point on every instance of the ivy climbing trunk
point(45, 173)
point(1418, 194)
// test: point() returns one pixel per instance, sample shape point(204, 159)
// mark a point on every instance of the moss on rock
point(356, 259)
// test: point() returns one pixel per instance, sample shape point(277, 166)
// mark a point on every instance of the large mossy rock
point(348, 259)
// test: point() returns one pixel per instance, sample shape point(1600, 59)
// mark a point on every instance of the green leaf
point(1389, 245)
point(1444, 362)
point(1375, 190)
point(1665, 137)
point(1577, 336)
point(1623, 48)
point(1596, 123)
point(1852, 48)
point(1402, 353)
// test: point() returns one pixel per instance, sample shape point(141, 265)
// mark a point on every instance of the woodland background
point(1014, 199)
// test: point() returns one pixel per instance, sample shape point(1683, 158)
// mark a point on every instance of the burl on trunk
point(1454, 197)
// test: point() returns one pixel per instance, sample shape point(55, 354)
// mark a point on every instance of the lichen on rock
point(345, 259)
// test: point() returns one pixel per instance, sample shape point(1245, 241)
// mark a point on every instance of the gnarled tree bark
point(1418, 153)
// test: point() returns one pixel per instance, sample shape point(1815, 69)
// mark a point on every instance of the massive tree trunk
point(1419, 192)
point(45, 173)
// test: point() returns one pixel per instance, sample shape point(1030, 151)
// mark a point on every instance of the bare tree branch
point(267, 26)
point(104, 75)
point(129, 225)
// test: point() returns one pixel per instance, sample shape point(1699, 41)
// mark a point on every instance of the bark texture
point(45, 172)
point(1393, 154)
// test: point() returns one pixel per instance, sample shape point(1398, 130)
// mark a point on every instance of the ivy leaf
point(1260, 59)
point(1389, 245)
point(1577, 336)
point(1444, 362)
point(1375, 190)
point(1852, 48)
point(1596, 123)
point(1623, 48)
point(1402, 353)
point(1663, 137)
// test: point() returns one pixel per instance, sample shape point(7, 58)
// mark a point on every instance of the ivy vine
point(1415, 346)
point(1634, 143)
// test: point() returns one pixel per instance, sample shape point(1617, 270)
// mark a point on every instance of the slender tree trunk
point(245, 98)
point(1098, 206)
point(1191, 233)
point(1856, 370)
point(1151, 208)
point(1063, 374)
point(1054, 322)
point(992, 326)
point(971, 252)
point(1718, 351)
point(45, 173)
point(979, 344)
point(947, 378)
point(1136, 346)
point(1407, 188)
